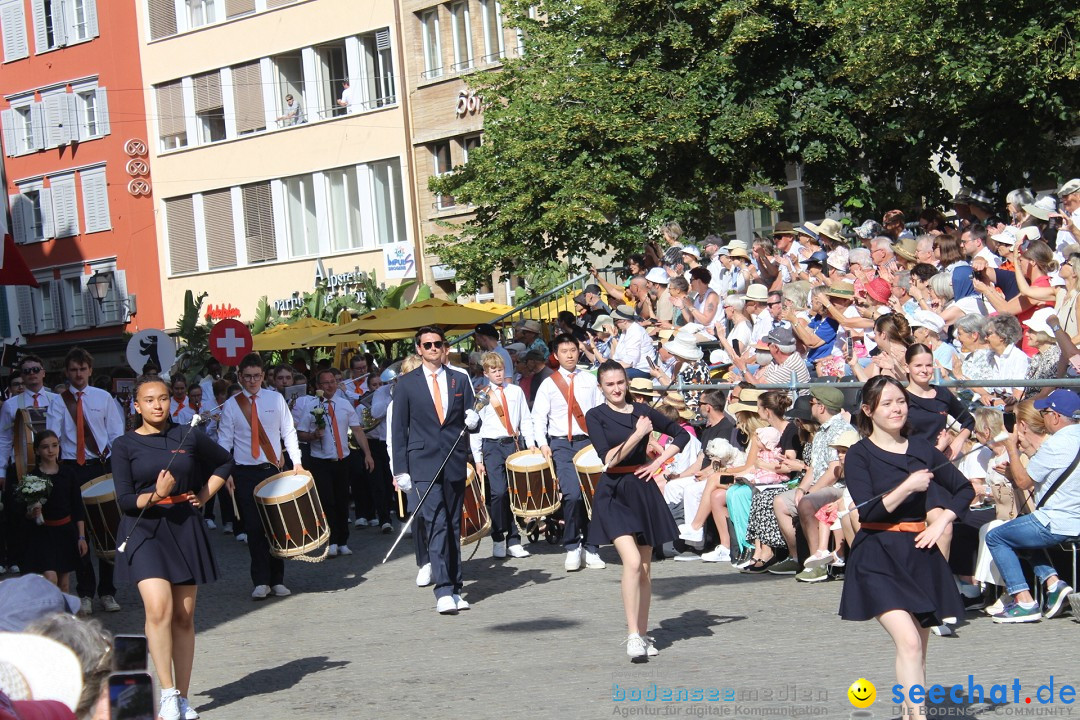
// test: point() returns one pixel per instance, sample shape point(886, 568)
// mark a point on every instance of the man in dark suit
point(433, 406)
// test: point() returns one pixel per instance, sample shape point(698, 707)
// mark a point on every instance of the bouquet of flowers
point(320, 416)
point(34, 491)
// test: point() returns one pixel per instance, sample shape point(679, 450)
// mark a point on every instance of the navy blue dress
point(625, 504)
point(55, 547)
point(885, 571)
point(170, 541)
point(927, 417)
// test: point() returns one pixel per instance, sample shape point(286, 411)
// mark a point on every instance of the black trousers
point(382, 481)
point(85, 580)
point(573, 507)
point(498, 499)
point(265, 568)
point(360, 488)
point(332, 482)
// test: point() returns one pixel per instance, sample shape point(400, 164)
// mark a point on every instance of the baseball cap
point(25, 599)
point(830, 397)
point(487, 330)
point(657, 275)
point(781, 335)
point(1064, 402)
point(1069, 188)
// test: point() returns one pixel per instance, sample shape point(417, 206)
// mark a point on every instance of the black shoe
point(761, 566)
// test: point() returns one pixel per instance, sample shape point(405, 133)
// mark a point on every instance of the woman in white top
point(1068, 297)
point(1009, 361)
point(741, 328)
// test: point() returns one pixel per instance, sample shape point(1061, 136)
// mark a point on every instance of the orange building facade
point(77, 176)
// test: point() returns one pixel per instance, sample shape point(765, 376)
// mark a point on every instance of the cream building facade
point(256, 196)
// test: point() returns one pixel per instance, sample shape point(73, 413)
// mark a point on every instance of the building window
point(77, 303)
point(64, 206)
point(13, 25)
point(288, 69)
point(469, 144)
point(58, 23)
point(209, 107)
point(28, 130)
point(462, 30)
point(248, 98)
point(46, 305)
point(388, 202)
point(34, 207)
point(334, 98)
point(180, 225)
point(493, 30)
point(440, 155)
point(202, 12)
point(343, 201)
point(95, 193)
point(162, 18)
point(300, 214)
point(259, 235)
point(377, 82)
point(172, 119)
point(429, 26)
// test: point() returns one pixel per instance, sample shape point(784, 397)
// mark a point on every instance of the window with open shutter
point(209, 106)
point(220, 237)
point(180, 223)
point(95, 191)
point(47, 308)
point(37, 126)
point(13, 23)
point(172, 123)
point(248, 94)
point(259, 233)
point(58, 129)
point(9, 122)
point(162, 18)
point(25, 299)
point(65, 209)
point(102, 109)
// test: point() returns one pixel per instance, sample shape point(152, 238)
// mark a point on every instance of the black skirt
point(627, 505)
point(169, 542)
point(885, 571)
point(50, 548)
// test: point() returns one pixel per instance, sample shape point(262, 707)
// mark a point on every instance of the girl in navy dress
point(54, 547)
point(629, 511)
point(895, 572)
point(929, 406)
point(168, 552)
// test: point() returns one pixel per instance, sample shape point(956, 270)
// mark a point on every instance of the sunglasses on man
point(437, 344)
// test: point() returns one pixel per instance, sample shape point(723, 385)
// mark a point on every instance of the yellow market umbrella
point(288, 335)
point(551, 309)
point(428, 312)
point(491, 307)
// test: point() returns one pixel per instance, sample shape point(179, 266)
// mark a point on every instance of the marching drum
point(291, 514)
point(589, 468)
point(475, 519)
point(102, 515)
point(534, 491)
point(27, 422)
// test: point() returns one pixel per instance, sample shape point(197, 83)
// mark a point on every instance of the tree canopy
point(622, 114)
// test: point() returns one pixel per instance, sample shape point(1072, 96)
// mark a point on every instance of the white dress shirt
point(25, 399)
point(634, 347)
point(492, 426)
point(101, 416)
point(186, 412)
point(380, 406)
point(302, 407)
point(549, 410)
point(354, 388)
point(987, 254)
point(345, 416)
point(763, 325)
point(234, 432)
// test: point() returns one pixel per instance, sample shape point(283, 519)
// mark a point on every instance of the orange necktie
point(179, 407)
point(35, 399)
point(254, 429)
point(506, 413)
point(438, 396)
point(570, 408)
point(80, 430)
point(337, 437)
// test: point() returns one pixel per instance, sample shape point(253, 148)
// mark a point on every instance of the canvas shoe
point(637, 648)
point(1016, 613)
point(720, 554)
point(186, 711)
point(423, 576)
point(593, 561)
point(1056, 599)
point(109, 603)
point(344, 550)
point(813, 575)
point(169, 709)
point(517, 551)
point(787, 566)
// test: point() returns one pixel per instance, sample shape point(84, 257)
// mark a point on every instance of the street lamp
point(99, 285)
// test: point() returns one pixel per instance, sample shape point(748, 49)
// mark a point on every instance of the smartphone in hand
point(129, 653)
point(131, 695)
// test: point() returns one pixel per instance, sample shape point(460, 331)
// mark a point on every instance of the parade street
point(359, 640)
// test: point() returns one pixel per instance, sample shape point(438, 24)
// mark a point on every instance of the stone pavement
point(359, 640)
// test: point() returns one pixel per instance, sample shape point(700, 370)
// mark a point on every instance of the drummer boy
point(505, 429)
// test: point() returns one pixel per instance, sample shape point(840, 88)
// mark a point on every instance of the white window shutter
point(60, 24)
point(65, 211)
point(37, 125)
point(7, 120)
point(13, 21)
point(51, 314)
point(48, 227)
point(90, 305)
point(91, 18)
point(25, 297)
point(41, 37)
point(95, 194)
point(120, 283)
point(71, 113)
point(102, 112)
point(18, 217)
point(57, 132)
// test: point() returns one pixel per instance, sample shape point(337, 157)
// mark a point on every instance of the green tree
point(626, 113)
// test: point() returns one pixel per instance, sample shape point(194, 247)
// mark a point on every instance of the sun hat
point(531, 326)
point(602, 322)
point(843, 290)
point(927, 319)
point(747, 401)
point(1069, 188)
point(49, 670)
point(1038, 321)
point(829, 228)
point(677, 401)
point(845, 439)
point(906, 248)
point(757, 293)
point(657, 275)
point(643, 386)
point(625, 312)
point(692, 251)
point(879, 290)
point(783, 228)
point(684, 346)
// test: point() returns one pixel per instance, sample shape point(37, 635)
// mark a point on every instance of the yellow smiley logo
point(862, 693)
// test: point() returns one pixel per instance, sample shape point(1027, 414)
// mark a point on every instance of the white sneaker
point(373, 522)
point(86, 606)
point(241, 537)
point(720, 554)
point(281, 590)
point(446, 605)
point(636, 648)
point(187, 711)
point(344, 550)
point(360, 522)
point(997, 607)
point(686, 557)
point(332, 552)
point(650, 647)
point(387, 528)
point(109, 603)
point(210, 525)
point(574, 559)
point(227, 528)
point(593, 561)
point(14, 569)
point(517, 551)
point(689, 534)
point(2, 569)
point(423, 576)
point(461, 603)
point(821, 557)
point(169, 709)
point(942, 630)
point(261, 592)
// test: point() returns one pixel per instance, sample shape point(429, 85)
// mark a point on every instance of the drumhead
point(527, 460)
point(284, 485)
point(100, 488)
point(587, 458)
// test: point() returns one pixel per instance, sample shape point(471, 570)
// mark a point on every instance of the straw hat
point(643, 386)
point(757, 293)
point(841, 290)
point(906, 248)
point(845, 439)
point(829, 228)
point(747, 402)
point(738, 252)
point(677, 401)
